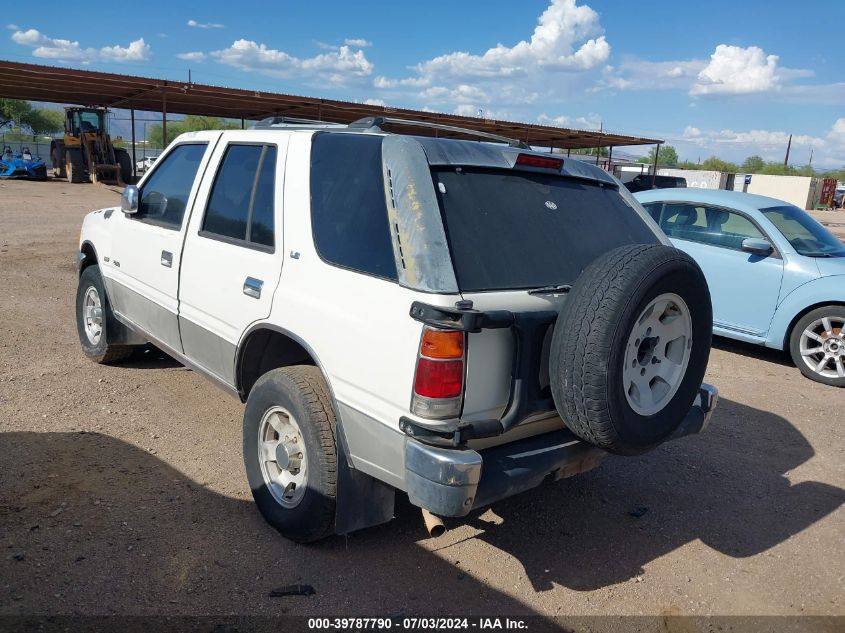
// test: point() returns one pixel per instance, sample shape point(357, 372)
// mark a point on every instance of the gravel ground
point(122, 489)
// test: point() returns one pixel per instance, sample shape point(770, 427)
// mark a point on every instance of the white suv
point(457, 320)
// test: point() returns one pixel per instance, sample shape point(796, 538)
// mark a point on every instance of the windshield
point(806, 236)
point(511, 229)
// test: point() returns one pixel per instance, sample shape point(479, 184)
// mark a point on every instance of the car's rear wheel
point(290, 453)
point(630, 347)
point(817, 345)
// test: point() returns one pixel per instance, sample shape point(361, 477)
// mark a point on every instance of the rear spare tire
point(630, 347)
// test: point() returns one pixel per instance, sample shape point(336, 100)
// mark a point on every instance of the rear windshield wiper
point(558, 289)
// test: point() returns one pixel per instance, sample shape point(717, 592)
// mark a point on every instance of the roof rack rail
point(375, 123)
point(287, 121)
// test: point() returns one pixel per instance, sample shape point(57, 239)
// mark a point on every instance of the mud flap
point(362, 501)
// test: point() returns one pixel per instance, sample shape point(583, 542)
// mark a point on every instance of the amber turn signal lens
point(442, 344)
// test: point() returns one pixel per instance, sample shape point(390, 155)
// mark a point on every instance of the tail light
point(541, 162)
point(439, 379)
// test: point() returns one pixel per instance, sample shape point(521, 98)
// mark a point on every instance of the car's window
point(348, 206)
point(240, 207)
point(708, 225)
point(806, 236)
point(510, 229)
point(164, 196)
point(654, 209)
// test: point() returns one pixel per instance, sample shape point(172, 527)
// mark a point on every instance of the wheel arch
point(265, 347)
point(87, 256)
point(788, 334)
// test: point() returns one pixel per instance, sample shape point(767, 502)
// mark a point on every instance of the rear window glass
point(348, 206)
point(517, 229)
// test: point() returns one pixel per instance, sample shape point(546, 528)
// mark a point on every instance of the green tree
point(753, 164)
point(668, 156)
point(688, 164)
point(12, 110)
point(191, 123)
point(717, 164)
point(43, 122)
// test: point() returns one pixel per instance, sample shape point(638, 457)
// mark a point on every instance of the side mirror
point(757, 246)
point(129, 200)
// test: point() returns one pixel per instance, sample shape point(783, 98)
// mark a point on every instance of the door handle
point(166, 259)
point(252, 287)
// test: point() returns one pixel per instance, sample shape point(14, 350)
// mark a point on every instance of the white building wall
point(802, 191)
point(697, 177)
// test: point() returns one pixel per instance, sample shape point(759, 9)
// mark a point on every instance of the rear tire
point(290, 453)
point(74, 166)
point(616, 384)
point(95, 319)
point(817, 345)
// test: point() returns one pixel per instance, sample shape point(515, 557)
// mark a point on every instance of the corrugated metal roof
point(36, 82)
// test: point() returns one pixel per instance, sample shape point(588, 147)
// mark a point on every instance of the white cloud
point(462, 94)
point(205, 25)
point(192, 56)
point(737, 70)
point(137, 51)
point(71, 51)
point(357, 42)
point(592, 121)
point(765, 139)
point(553, 45)
point(559, 58)
point(339, 67)
point(13, 27)
point(374, 102)
point(837, 132)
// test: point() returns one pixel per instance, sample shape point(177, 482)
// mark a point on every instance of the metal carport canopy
point(36, 82)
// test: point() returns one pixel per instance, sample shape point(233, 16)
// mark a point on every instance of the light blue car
point(776, 276)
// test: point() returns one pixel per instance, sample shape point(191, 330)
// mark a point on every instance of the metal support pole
point(568, 152)
point(164, 119)
point(654, 169)
point(134, 160)
point(610, 160)
point(242, 123)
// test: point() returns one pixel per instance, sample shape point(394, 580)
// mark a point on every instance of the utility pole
point(788, 147)
point(810, 164)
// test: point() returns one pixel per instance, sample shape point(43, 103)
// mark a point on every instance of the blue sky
point(723, 78)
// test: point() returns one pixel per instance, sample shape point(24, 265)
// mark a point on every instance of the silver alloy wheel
point(282, 457)
point(822, 346)
point(92, 315)
point(657, 354)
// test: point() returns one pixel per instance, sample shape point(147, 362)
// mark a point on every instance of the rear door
point(233, 252)
point(143, 268)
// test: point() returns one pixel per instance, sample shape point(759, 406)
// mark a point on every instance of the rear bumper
point(454, 481)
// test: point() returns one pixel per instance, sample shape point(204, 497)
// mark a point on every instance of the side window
point(348, 208)
point(164, 195)
point(684, 222)
point(240, 207)
point(654, 209)
point(729, 229)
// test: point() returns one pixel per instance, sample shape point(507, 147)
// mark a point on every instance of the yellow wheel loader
point(86, 152)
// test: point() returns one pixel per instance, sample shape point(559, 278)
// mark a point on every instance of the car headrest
point(716, 217)
point(681, 215)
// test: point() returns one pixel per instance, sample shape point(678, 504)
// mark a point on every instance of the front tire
point(817, 345)
point(290, 453)
point(95, 320)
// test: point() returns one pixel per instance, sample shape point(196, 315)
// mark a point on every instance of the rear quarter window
point(348, 206)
